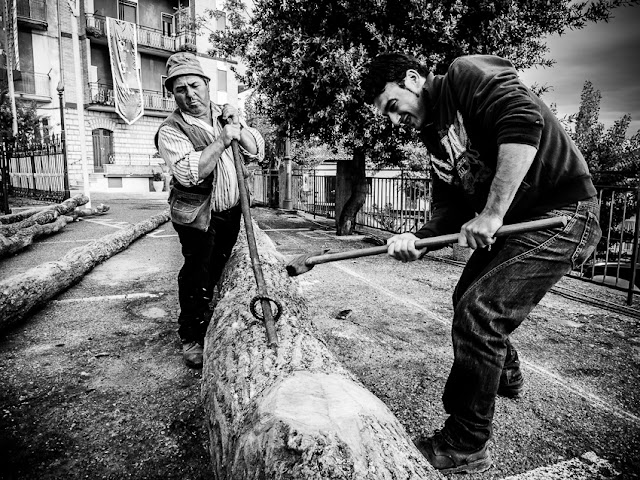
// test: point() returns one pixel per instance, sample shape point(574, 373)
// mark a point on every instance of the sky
point(608, 55)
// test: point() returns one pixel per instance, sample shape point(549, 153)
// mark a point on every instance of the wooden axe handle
point(439, 241)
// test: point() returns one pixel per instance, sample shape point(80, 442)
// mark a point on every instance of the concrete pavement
point(148, 270)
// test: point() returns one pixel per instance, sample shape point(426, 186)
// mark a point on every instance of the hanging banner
point(123, 52)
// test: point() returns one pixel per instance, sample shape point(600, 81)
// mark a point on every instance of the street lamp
point(63, 142)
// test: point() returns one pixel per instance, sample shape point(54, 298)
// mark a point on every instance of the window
point(167, 24)
point(222, 80)
point(127, 11)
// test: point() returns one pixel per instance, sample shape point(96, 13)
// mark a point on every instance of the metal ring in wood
point(258, 298)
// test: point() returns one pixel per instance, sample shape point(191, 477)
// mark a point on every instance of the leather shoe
point(192, 354)
point(447, 459)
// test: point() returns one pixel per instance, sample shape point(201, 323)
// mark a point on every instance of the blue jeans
point(205, 255)
point(497, 290)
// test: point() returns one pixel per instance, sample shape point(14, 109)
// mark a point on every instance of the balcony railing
point(150, 37)
point(32, 10)
point(27, 83)
point(102, 94)
point(155, 101)
point(147, 37)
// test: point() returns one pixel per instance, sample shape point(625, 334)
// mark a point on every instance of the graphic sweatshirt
point(479, 104)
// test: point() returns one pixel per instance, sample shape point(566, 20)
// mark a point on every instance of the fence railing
point(146, 36)
point(615, 261)
point(402, 203)
point(38, 170)
point(102, 94)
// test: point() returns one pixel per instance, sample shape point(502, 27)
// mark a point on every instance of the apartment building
point(116, 149)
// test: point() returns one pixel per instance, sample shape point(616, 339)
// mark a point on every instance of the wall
point(134, 140)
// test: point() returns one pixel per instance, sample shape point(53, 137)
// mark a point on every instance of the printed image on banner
point(123, 51)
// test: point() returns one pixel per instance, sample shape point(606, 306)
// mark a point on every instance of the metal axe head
point(302, 264)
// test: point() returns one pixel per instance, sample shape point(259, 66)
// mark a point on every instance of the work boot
point(511, 383)
point(446, 459)
point(192, 353)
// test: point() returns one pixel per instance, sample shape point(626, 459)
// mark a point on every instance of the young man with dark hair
point(499, 156)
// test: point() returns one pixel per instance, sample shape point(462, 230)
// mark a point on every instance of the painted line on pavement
point(557, 379)
point(128, 296)
point(156, 234)
point(301, 229)
point(108, 223)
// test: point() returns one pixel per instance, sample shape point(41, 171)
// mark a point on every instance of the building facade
point(113, 148)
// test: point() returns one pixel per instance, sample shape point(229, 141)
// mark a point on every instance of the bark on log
point(18, 217)
point(22, 293)
point(47, 215)
point(25, 236)
point(294, 413)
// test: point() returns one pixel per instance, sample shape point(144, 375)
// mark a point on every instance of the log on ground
point(293, 412)
point(22, 293)
point(25, 236)
point(47, 215)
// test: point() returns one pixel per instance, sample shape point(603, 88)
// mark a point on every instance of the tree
point(307, 57)
point(612, 157)
point(28, 119)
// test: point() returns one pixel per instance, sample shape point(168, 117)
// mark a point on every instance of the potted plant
point(158, 181)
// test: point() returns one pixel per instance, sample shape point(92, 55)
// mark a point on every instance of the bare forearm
point(514, 161)
point(248, 142)
point(209, 158)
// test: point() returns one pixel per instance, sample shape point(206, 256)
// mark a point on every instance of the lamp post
point(63, 142)
point(287, 204)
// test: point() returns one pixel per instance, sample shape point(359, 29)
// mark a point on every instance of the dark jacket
point(476, 106)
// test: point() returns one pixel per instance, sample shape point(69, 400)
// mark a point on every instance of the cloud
point(605, 54)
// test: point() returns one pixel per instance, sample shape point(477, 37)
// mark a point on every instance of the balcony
point(149, 39)
point(155, 101)
point(101, 94)
point(34, 86)
point(32, 13)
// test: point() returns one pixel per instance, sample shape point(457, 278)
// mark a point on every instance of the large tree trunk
point(22, 293)
point(294, 413)
point(351, 192)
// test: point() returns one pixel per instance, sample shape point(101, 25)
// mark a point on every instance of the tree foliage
point(27, 115)
point(612, 157)
point(306, 57)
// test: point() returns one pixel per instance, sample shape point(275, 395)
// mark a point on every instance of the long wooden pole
point(269, 324)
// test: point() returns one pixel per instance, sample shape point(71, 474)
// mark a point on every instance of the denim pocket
point(589, 240)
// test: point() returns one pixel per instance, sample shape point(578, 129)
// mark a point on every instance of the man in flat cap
point(194, 141)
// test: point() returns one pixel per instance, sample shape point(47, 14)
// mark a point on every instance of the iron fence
point(401, 202)
point(398, 202)
point(38, 170)
point(615, 261)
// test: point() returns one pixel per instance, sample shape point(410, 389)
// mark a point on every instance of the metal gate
point(38, 170)
point(102, 148)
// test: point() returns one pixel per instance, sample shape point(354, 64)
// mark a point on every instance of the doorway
point(102, 148)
